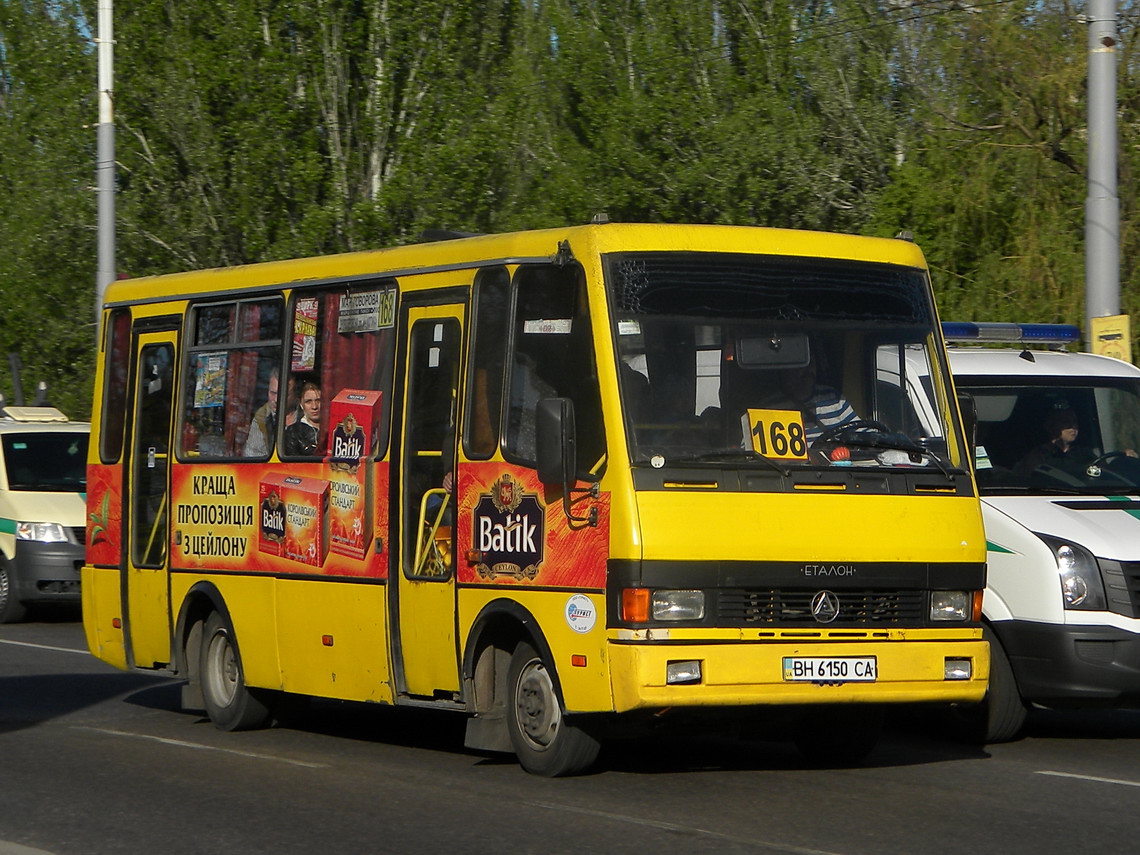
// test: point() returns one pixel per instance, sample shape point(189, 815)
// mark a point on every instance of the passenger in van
point(303, 436)
point(263, 426)
point(1063, 429)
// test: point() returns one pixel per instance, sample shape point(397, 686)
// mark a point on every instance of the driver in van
point(1063, 429)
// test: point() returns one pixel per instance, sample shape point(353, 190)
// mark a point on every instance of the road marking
point(45, 647)
point(1091, 778)
point(685, 829)
point(179, 743)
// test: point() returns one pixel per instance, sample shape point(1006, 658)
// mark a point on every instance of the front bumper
point(1063, 665)
point(47, 572)
point(751, 673)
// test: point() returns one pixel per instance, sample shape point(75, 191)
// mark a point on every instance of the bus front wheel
point(230, 704)
point(544, 741)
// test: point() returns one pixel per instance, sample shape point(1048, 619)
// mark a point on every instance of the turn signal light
point(635, 605)
point(976, 611)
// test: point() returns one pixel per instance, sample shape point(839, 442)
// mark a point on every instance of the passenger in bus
point(302, 438)
point(263, 426)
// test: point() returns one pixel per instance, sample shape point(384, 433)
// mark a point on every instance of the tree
point(47, 240)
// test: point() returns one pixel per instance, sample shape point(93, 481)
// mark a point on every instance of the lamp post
point(1102, 205)
point(105, 159)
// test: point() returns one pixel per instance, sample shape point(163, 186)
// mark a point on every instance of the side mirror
point(969, 409)
point(556, 452)
point(555, 449)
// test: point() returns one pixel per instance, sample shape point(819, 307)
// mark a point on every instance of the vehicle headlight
point(43, 532)
point(950, 605)
point(678, 605)
point(1081, 583)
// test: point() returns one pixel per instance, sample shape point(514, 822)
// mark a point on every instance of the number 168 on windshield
point(777, 433)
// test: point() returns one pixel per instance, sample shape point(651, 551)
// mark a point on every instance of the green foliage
point(46, 208)
point(260, 129)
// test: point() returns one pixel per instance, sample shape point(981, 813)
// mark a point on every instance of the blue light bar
point(1027, 333)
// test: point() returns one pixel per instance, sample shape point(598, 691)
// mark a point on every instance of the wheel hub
point(538, 712)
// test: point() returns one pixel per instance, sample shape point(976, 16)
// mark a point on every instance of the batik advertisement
point(514, 534)
point(301, 518)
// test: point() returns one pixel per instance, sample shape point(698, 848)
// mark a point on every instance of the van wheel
point(1001, 715)
point(838, 736)
point(11, 609)
point(544, 741)
point(230, 704)
point(1003, 710)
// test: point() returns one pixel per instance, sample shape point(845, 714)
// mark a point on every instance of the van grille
point(792, 607)
point(79, 533)
point(1122, 584)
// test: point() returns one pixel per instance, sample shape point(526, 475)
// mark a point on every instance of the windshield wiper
point(869, 439)
point(741, 456)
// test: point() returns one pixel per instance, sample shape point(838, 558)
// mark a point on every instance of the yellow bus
point(554, 480)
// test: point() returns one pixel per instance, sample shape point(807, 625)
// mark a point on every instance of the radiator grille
point(781, 607)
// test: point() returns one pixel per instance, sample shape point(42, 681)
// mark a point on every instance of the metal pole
point(1102, 206)
point(105, 158)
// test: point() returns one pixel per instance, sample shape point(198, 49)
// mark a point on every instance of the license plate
point(831, 669)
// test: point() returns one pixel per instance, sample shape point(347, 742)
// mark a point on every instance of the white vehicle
point(1062, 516)
point(43, 484)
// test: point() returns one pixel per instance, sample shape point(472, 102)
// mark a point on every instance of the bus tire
point(1003, 713)
point(11, 609)
point(229, 703)
point(543, 739)
point(839, 736)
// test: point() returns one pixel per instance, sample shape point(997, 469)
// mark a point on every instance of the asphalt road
point(94, 760)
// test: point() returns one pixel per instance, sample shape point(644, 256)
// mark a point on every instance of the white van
point(1061, 512)
point(43, 506)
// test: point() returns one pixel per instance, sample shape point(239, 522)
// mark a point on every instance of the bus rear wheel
point(544, 741)
point(230, 704)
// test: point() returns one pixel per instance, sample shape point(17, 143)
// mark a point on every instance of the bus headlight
point(678, 605)
point(951, 605)
point(1081, 584)
point(43, 532)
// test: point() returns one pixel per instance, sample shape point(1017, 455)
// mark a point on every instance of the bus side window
point(115, 373)
point(233, 353)
point(490, 332)
point(343, 343)
point(553, 356)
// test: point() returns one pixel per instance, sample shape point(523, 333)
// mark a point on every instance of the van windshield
point(1049, 434)
point(800, 362)
point(46, 462)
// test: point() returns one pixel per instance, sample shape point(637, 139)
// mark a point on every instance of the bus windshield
point(1049, 435)
point(799, 362)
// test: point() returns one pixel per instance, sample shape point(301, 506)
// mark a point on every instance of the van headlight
point(43, 532)
point(1081, 583)
point(678, 605)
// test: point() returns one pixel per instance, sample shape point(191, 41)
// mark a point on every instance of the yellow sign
point(778, 434)
point(1110, 336)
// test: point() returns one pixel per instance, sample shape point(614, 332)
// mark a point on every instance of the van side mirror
point(556, 451)
point(969, 409)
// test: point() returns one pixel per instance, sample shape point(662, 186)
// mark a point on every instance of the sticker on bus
point(777, 433)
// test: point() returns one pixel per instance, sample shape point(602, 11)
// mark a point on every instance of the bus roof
point(516, 247)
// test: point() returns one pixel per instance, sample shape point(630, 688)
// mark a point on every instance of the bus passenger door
point(146, 594)
point(425, 600)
